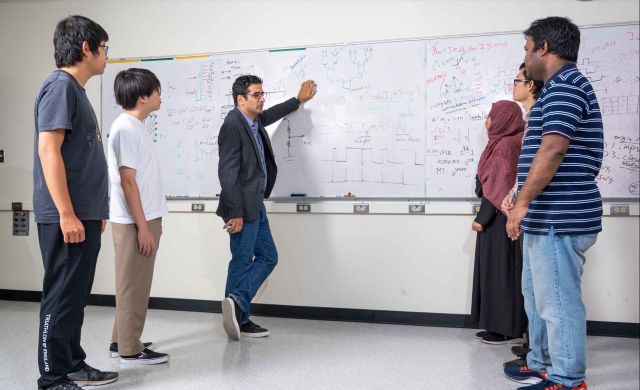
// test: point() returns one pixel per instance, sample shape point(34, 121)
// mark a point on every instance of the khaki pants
point(134, 273)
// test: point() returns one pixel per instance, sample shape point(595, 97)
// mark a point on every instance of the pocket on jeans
point(583, 242)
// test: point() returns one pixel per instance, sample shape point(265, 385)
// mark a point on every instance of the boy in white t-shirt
point(136, 207)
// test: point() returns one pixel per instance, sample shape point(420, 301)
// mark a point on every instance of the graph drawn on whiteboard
point(363, 132)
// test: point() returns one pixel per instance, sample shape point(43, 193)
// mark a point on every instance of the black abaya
point(497, 304)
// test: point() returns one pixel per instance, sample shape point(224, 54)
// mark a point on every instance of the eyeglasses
point(515, 81)
point(257, 95)
point(106, 48)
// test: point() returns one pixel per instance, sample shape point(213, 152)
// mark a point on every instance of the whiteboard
point(364, 131)
point(390, 119)
point(465, 75)
point(609, 58)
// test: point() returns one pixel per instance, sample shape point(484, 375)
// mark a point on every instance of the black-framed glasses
point(106, 49)
point(258, 95)
point(515, 81)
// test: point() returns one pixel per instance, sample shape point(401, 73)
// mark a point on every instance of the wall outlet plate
point(619, 210)
point(20, 223)
point(303, 207)
point(362, 208)
point(416, 209)
point(475, 208)
point(197, 207)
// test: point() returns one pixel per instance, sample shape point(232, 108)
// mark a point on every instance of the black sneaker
point(251, 329)
point(90, 376)
point(482, 333)
point(498, 339)
point(520, 351)
point(145, 357)
point(231, 315)
point(66, 384)
point(113, 349)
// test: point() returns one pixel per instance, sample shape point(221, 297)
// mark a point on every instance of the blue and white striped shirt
point(571, 202)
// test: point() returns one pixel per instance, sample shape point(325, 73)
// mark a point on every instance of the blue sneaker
point(518, 371)
point(549, 385)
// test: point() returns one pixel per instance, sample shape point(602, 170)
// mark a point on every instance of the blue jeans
point(253, 257)
point(551, 278)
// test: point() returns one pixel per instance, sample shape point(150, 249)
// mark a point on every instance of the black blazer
point(239, 169)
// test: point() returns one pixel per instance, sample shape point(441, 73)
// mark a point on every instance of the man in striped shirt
point(559, 207)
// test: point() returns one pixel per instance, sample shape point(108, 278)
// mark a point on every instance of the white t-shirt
point(130, 145)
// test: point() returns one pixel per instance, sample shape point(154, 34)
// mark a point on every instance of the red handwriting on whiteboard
point(438, 77)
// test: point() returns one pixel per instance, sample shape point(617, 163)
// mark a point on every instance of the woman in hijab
point(497, 303)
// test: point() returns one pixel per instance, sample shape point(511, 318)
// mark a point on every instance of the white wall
point(384, 261)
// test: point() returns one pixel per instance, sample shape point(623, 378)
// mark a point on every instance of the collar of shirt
point(251, 123)
point(564, 68)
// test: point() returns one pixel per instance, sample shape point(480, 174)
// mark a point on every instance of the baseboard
point(594, 328)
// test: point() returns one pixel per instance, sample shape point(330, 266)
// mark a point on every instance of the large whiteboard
point(390, 119)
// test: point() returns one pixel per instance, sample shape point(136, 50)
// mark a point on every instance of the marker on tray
point(298, 195)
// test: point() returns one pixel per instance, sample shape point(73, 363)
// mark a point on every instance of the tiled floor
point(299, 354)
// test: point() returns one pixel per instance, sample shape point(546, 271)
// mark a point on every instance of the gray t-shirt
point(63, 104)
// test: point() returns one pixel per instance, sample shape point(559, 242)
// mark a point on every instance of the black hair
point(241, 86)
point(538, 84)
point(560, 34)
point(70, 33)
point(133, 83)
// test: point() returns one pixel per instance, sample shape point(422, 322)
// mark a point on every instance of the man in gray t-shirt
point(63, 104)
point(70, 200)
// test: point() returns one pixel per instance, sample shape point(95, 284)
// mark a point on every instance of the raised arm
point(307, 91)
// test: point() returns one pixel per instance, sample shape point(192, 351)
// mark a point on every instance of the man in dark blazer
point(247, 172)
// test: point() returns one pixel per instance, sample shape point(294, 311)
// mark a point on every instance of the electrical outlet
point(197, 207)
point(475, 208)
point(619, 210)
point(362, 208)
point(416, 209)
point(303, 207)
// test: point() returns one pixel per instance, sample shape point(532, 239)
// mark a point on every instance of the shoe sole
point(502, 342)
point(163, 359)
point(116, 354)
point(531, 380)
point(255, 335)
point(95, 383)
point(229, 321)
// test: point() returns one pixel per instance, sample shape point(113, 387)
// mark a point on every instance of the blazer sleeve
point(230, 153)
point(278, 111)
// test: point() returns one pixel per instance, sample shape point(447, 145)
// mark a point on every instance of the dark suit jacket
point(239, 169)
